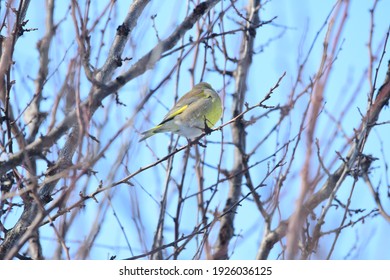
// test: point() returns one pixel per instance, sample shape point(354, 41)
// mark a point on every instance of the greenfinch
point(195, 112)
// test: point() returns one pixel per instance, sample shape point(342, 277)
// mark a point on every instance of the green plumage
point(188, 117)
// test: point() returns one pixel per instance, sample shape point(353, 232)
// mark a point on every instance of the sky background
point(278, 45)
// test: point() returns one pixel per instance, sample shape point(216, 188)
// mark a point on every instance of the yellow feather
point(173, 114)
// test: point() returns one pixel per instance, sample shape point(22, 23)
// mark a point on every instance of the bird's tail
point(148, 133)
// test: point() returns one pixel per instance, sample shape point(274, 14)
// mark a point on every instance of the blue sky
point(295, 28)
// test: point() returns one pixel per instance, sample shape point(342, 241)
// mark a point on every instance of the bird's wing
point(182, 105)
point(177, 110)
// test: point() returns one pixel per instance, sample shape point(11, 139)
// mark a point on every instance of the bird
point(195, 112)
